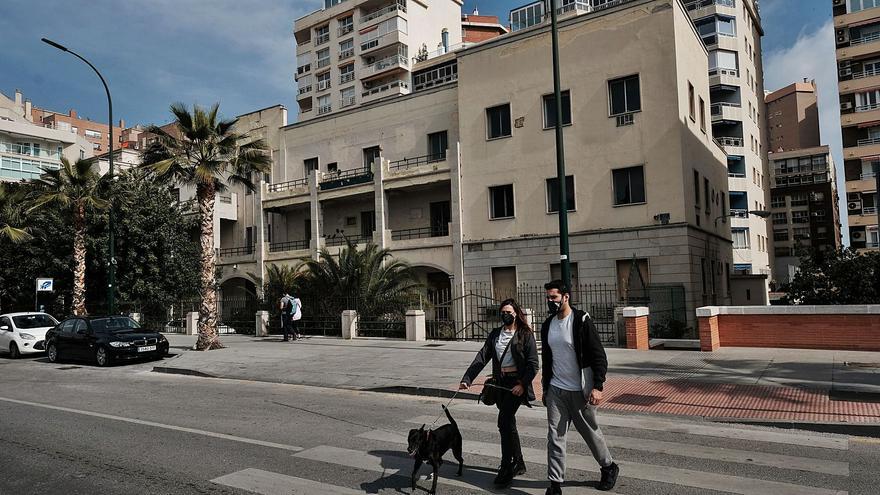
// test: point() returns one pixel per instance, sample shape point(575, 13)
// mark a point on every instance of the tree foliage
point(838, 277)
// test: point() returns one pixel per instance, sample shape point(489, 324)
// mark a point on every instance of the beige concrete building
point(731, 30)
point(793, 117)
point(857, 33)
point(353, 52)
point(27, 148)
point(458, 177)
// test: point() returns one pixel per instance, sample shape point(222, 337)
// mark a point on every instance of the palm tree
point(12, 212)
point(367, 280)
point(80, 188)
point(204, 151)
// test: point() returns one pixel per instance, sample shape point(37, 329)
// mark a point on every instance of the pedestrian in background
point(514, 355)
point(288, 308)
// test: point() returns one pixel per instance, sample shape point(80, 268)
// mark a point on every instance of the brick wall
point(791, 327)
point(636, 321)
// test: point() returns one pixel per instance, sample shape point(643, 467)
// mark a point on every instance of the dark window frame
point(489, 123)
point(492, 203)
point(551, 100)
point(624, 80)
point(570, 194)
point(632, 197)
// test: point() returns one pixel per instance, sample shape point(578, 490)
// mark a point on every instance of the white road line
point(696, 427)
point(646, 472)
point(822, 466)
point(392, 465)
point(142, 422)
point(268, 483)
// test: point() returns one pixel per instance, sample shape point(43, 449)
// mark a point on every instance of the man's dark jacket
point(587, 345)
point(525, 355)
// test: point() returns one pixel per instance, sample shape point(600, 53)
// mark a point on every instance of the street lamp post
point(111, 264)
point(560, 152)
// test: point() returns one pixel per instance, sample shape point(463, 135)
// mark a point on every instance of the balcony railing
point(718, 108)
point(408, 163)
point(869, 210)
point(384, 87)
point(385, 63)
point(699, 4)
point(324, 109)
point(29, 151)
point(321, 39)
point(346, 102)
point(344, 54)
point(342, 240)
point(346, 178)
point(399, 5)
point(347, 77)
point(722, 71)
point(287, 186)
point(869, 38)
point(343, 30)
point(322, 62)
point(730, 141)
point(868, 108)
point(866, 73)
point(867, 175)
point(736, 174)
point(236, 251)
point(277, 247)
point(739, 213)
point(420, 233)
point(323, 84)
point(868, 141)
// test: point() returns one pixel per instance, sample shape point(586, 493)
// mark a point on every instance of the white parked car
point(24, 333)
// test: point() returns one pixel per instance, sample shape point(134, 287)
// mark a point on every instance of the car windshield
point(34, 321)
point(114, 324)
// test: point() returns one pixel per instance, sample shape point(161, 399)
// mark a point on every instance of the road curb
point(870, 430)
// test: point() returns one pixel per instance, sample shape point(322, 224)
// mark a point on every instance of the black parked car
point(103, 339)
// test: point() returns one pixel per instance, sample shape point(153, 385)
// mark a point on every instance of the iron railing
point(287, 186)
point(420, 233)
point(346, 178)
point(406, 163)
point(237, 251)
point(342, 240)
point(398, 5)
point(276, 247)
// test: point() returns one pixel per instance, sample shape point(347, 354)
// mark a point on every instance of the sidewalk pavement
point(786, 385)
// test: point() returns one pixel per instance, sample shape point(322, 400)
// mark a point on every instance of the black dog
point(429, 446)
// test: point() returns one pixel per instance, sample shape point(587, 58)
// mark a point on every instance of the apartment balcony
point(345, 178)
point(417, 171)
point(29, 151)
point(237, 254)
point(861, 81)
point(727, 77)
point(697, 9)
point(866, 182)
point(386, 40)
point(289, 193)
point(288, 249)
point(860, 47)
point(378, 15)
point(731, 145)
point(384, 67)
point(861, 115)
point(855, 17)
point(381, 90)
point(335, 243)
point(865, 148)
point(419, 237)
point(346, 102)
point(726, 112)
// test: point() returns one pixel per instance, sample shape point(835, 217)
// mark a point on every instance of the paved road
point(76, 429)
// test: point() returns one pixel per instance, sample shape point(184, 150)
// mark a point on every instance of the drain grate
point(69, 368)
point(861, 365)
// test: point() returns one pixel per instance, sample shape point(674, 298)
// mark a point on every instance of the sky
point(241, 53)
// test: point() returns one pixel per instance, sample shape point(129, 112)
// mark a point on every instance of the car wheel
point(14, 353)
point(102, 357)
point(52, 353)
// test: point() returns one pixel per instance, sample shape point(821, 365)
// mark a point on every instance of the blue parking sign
point(44, 285)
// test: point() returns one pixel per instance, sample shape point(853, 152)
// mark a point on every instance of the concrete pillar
point(381, 202)
point(316, 213)
point(527, 312)
point(457, 279)
point(192, 323)
point(707, 317)
point(262, 324)
point(636, 319)
point(349, 324)
point(415, 325)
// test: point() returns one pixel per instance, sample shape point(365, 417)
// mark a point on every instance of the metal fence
point(668, 312)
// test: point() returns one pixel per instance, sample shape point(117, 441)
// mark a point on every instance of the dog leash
point(445, 407)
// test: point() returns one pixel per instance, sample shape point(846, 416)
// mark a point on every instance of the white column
point(381, 203)
point(262, 324)
point(349, 324)
point(192, 323)
point(456, 231)
point(415, 325)
point(316, 212)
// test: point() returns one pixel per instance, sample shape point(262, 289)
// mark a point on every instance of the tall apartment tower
point(353, 52)
point(803, 195)
point(857, 32)
point(731, 30)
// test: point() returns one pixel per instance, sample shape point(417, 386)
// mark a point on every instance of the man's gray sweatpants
point(564, 407)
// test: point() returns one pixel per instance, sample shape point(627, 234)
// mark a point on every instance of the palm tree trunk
point(79, 260)
point(208, 338)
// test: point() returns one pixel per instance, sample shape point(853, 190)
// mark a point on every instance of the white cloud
point(812, 56)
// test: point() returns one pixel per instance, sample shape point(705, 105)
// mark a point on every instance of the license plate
point(147, 348)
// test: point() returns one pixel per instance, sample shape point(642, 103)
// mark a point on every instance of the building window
point(371, 154)
point(780, 235)
point(437, 145)
point(310, 164)
point(550, 110)
point(629, 185)
point(346, 49)
point(346, 25)
point(740, 238)
point(857, 5)
point(780, 218)
point(92, 134)
point(691, 106)
point(707, 198)
point(498, 121)
point(702, 115)
point(633, 278)
point(332, 168)
point(624, 95)
point(777, 201)
point(346, 73)
point(501, 202)
point(553, 194)
point(322, 58)
point(504, 282)
point(346, 97)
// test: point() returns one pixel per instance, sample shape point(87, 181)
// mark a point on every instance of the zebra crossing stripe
point(646, 472)
point(695, 427)
point(388, 464)
point(836, 468)
point(269, 483)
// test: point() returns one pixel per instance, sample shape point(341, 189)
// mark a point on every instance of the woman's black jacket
point(525, 355)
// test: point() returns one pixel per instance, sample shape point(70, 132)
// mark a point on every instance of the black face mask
point(554, 307)
point(507, 318)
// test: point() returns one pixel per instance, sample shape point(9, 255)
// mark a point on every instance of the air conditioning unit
point(842, 36)
point(847, 105)
point(322, 85)
point(844, 72)
point(854, 205)
point(858, 235)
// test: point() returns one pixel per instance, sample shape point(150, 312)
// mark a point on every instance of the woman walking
point(514, 355)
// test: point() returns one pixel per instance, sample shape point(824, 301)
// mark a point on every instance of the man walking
point(288, 310)
point(573, 371)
